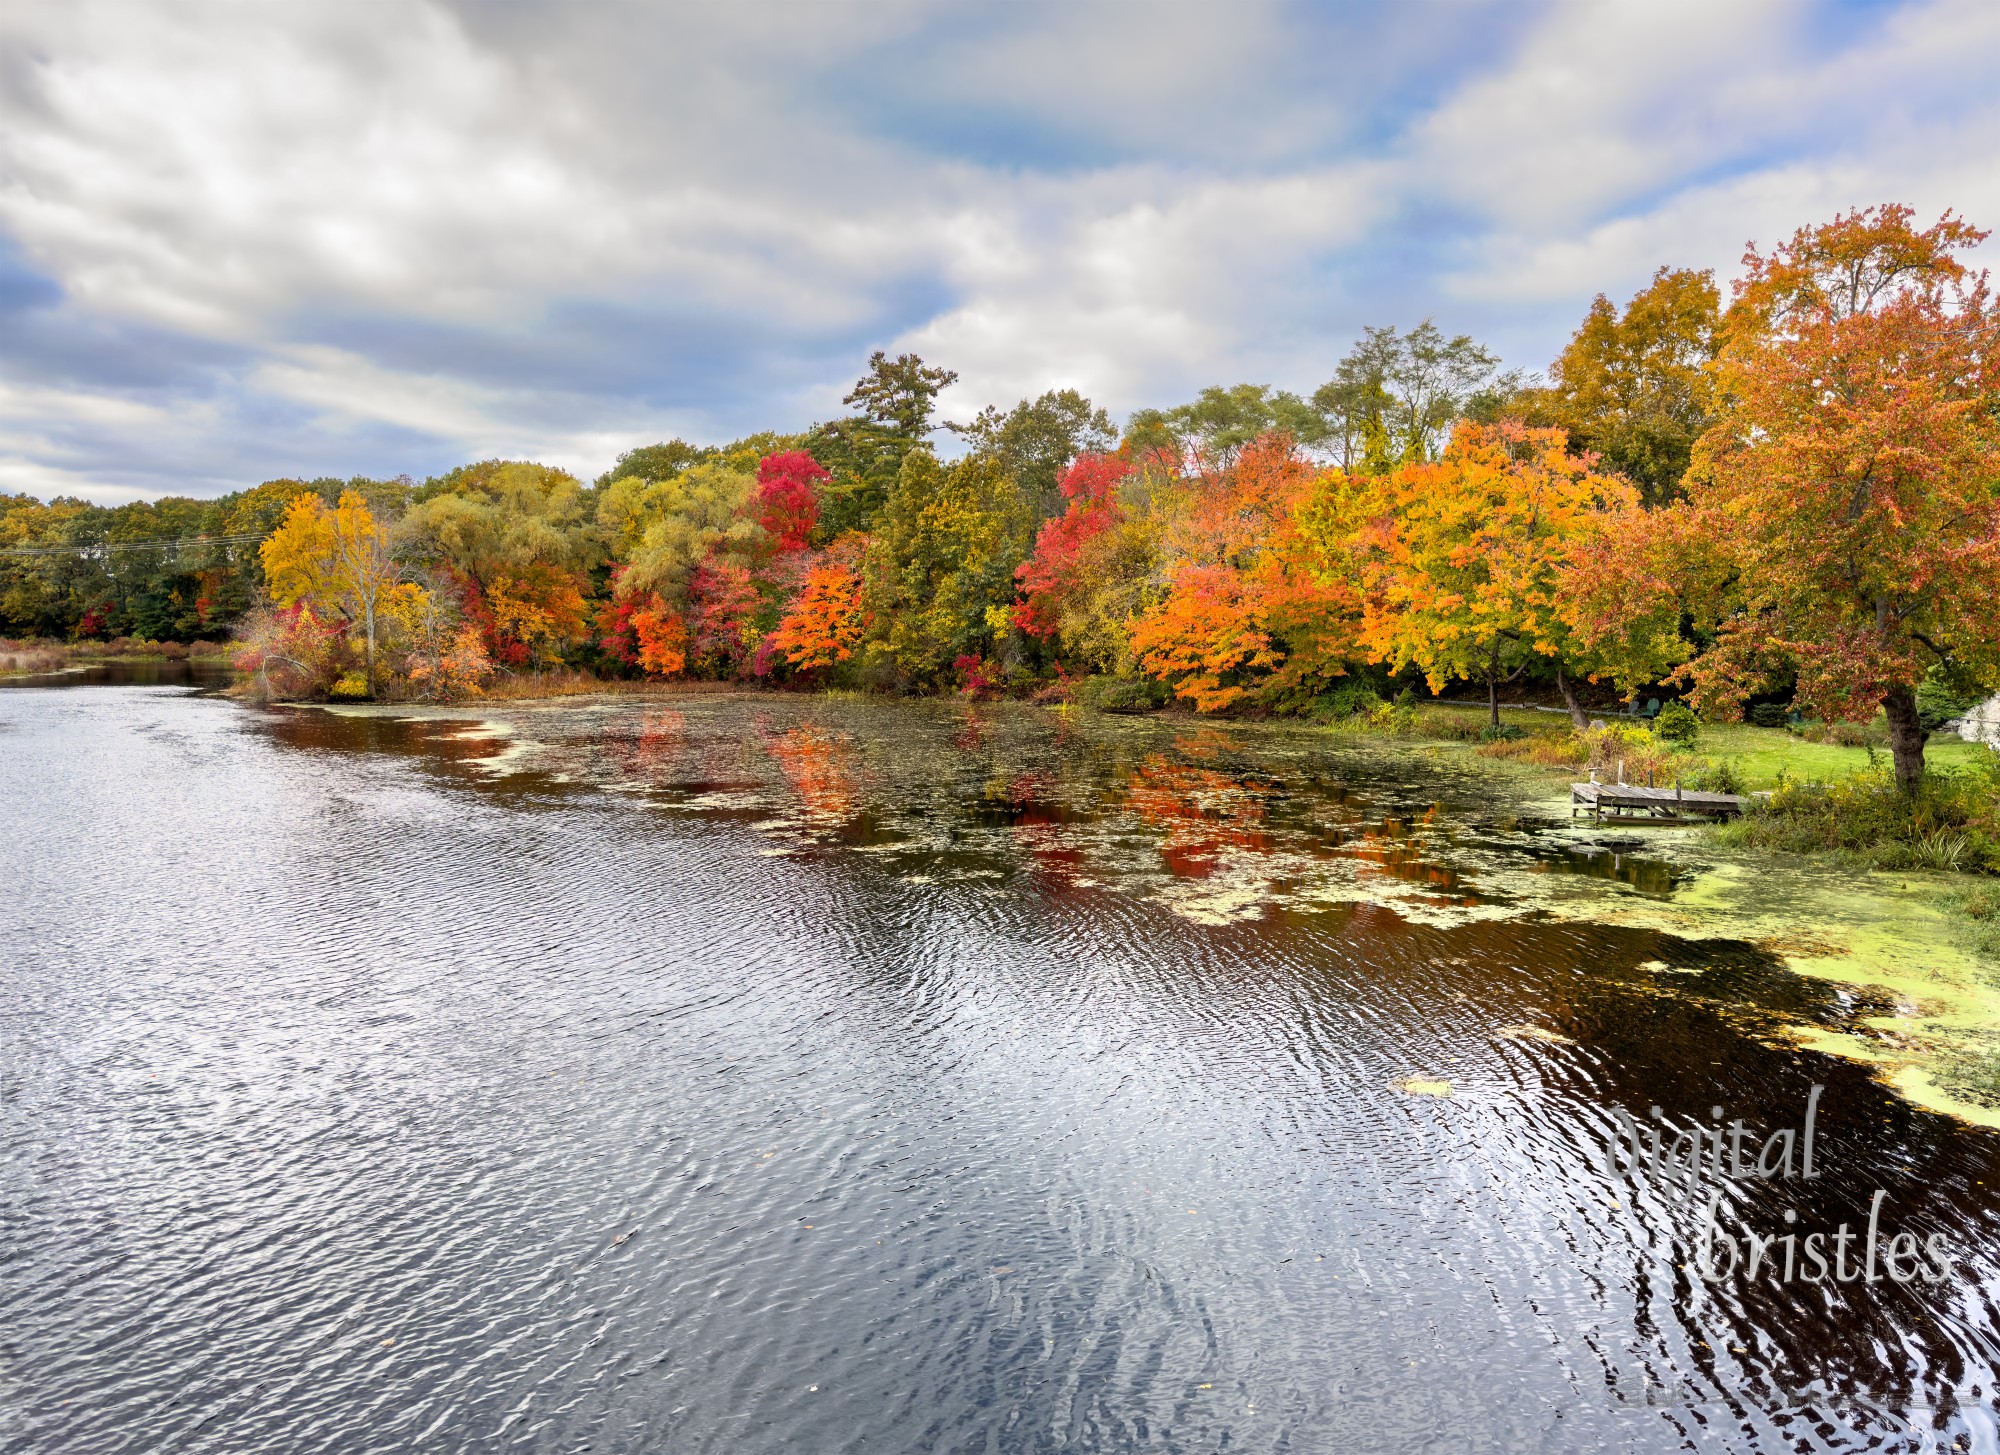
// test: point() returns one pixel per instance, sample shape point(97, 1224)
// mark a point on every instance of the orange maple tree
point(1247, 609)
point(1842, 526)
point(824, 622)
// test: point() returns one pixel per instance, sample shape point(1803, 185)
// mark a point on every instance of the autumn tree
point(1637, 389)
point(1093, 567)
point(519, 543)
point(825, 622)
point(1460, 564)
point(1243, 612)
point(1847, 500)
point(336, 561)
point(788, 498)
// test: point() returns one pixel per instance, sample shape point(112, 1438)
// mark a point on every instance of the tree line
point(1796, 492)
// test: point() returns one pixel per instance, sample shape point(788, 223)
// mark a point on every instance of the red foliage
point(1090, 484)
point(787, 497)
point(976, 677)
point(721, 601)
point(93, 621)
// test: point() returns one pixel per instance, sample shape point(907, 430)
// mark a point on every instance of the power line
point(94, 547)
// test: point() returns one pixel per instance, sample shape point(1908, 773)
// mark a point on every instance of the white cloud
point(376, 203)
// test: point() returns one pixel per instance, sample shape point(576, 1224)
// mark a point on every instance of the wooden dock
point(1630, 803)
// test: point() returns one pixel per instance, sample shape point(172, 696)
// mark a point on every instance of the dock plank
point(1635, 802)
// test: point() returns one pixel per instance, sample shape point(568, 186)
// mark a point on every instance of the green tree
point(1209, 432)
point(656, 462)
point(865, 452)
point(1036, 440)
point(1394, 398)
point(940, 570)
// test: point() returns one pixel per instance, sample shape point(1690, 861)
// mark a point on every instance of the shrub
point(1677, 724)
point(1768, 715)
point(1948, 823)
point(350, 686)
point(1123, 694)
point(1710, 776)
point(1352, 696)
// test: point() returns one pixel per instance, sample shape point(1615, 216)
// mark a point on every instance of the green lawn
point(1757, 754)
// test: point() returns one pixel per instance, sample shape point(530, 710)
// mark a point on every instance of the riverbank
point(38, 658)
point(1842, 876)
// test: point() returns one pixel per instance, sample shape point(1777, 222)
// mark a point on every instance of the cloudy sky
point(249, 240)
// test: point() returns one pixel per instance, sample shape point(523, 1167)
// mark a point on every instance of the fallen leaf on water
point(1535, 1033)
point(1417, 1086)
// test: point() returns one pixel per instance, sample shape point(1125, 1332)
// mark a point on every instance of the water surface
point(762, 1073)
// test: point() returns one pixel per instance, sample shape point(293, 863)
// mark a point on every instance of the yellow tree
point(1461, 563)
point(1638, 390)
point(337, 561)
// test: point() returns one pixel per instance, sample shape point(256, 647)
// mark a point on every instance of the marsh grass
point(1949, 823)
point(45, 654)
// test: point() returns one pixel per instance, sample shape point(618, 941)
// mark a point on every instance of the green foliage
point(1713, 776)
point(940, 569)
point(1768, 715)
point(1677, 724)
point(1037, 438)
point(1354, 695)
point(1943, 695)
point(1220, 422)
point(1395, 396)
point(865, 453)
point(1949, 822)
point(501, 516)
point(1122, 694)
point(152, 569)
point(666, 528)
point(656, 462)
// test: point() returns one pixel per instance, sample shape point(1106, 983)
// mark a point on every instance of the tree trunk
point(1493, 684)
point(1578, 719)
point(1906, 736)
point(368, 662)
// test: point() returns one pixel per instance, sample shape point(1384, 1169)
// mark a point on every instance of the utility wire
point(93, 547)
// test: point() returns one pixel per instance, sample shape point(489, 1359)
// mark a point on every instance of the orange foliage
point(824, 622)
point(662, 637)
point(1249, 608)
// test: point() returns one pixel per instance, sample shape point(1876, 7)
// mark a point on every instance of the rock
point(1982, 724)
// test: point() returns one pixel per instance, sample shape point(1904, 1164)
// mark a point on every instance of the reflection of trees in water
point(1393, 849)
point(1206, 814)
point(657, 745)
point(1031, 803)
point(819, 766)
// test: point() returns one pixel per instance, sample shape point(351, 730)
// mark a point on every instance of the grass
point(1765, 757)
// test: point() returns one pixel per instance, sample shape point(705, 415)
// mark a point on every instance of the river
point(751, 1073)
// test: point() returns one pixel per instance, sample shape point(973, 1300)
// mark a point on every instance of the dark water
point(779, 1074)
